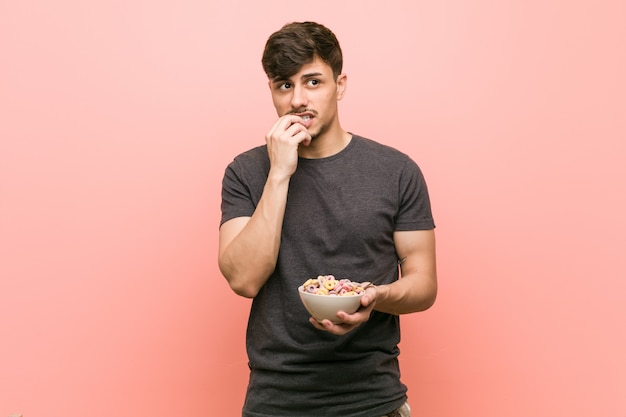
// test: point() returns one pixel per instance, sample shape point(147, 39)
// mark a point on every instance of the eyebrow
point(311, 74)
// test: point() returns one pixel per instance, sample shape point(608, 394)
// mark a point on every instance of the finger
point(339, 329)
point(296, 127)
point(285, 130)
point(351, 319)
point(369, 297)
point(316, 324)
point(287, 122)
point(329, 326)
point(298, 136)
point(325, 324)
point(281, 125)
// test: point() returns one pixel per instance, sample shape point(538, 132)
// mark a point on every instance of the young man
point(318, 200)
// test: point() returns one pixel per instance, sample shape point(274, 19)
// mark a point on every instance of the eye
point(284, 86)
point(313, 82)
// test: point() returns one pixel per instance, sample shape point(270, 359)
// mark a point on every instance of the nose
point(298, 97)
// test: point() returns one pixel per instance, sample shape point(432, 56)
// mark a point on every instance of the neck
point(326, 145)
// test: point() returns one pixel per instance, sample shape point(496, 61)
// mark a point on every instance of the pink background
point(117, 119)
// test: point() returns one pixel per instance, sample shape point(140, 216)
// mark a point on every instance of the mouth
point(306, 118)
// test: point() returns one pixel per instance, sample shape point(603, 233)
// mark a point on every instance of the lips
point(306, 119)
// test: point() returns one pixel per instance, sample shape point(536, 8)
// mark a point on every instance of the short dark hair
point(296, 44)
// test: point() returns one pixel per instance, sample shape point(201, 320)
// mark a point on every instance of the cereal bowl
point(327, 306)
point(326, 295)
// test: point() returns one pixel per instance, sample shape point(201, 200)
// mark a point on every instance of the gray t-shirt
point(340, 218)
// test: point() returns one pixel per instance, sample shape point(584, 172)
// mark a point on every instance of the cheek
point(279, 106)
point(330, 103)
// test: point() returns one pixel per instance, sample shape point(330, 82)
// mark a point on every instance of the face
point(312, 93)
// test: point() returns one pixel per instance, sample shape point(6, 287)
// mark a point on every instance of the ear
point(342, 84)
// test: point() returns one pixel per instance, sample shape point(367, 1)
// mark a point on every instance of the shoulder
point(375, 146)
point(254, 155)
point(249, 168)
point(380, 152)
point(254, 159)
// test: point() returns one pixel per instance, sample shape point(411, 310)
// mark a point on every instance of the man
point(318, 200)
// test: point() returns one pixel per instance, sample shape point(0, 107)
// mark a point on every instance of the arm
point(416, 290)
point(248, 246)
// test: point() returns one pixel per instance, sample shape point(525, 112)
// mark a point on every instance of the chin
point(316, 134)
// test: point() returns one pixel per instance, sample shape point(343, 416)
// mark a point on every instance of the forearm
point(410, 294)
point(250, 257)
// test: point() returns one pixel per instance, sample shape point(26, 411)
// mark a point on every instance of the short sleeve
point(414, 212)
point(236, 196)
point(243, 183)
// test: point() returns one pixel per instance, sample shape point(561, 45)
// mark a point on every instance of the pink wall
point(117, 119)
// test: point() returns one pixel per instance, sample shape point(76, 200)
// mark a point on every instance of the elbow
point(429, 298)
point(430, 301)
point(245, 291)
point(239, 283)
point(423, 299)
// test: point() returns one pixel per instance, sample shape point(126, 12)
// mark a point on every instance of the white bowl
point(326, 306)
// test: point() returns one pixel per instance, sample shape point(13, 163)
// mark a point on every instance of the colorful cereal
point(329, 285)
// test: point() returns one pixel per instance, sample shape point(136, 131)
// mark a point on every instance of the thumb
point(369, 297)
